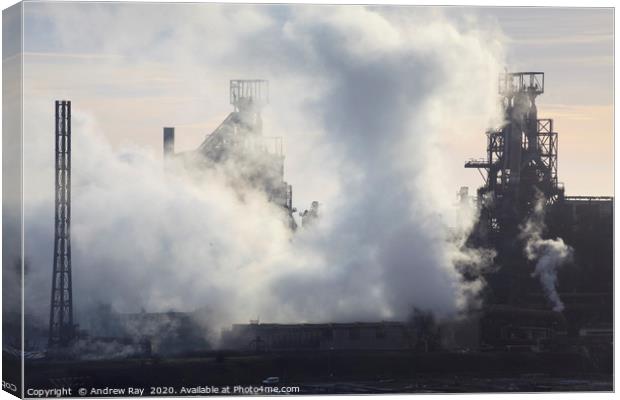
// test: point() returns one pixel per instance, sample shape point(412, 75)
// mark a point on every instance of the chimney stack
point(168, 142)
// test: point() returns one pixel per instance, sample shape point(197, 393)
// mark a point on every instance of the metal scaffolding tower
point(238, 141)
point(521, 160)
point(62, 329)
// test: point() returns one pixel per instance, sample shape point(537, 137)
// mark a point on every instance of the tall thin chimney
point(168, 142)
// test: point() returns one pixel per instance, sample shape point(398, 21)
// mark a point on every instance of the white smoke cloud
point(549, 254)
point(367, 101)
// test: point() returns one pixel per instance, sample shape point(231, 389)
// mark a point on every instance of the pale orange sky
point(134, 90)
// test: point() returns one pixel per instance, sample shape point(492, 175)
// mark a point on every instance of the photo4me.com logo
point(9, 386)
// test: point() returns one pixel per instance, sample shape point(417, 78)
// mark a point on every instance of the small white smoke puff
point(550, 253)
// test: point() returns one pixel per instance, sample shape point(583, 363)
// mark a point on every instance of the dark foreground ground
point(330, 372)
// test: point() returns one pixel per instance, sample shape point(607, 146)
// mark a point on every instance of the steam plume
point(368, 102)
point(549, 254)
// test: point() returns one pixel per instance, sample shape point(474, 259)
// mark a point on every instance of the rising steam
point(367, 101)
point(549, 254)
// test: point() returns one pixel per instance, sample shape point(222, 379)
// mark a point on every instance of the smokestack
point(168, 142)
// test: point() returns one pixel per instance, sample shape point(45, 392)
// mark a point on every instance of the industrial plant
point(547, 305)
point(238, 142)
point(301, 199)
point(554, 253)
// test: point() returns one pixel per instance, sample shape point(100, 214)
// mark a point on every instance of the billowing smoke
point(549, 254)
point(371, 103)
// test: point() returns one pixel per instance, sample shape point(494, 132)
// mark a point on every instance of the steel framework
point(239, 140)
point(254, 90)
point(510, 83)
point(548, 150)
point(62, 328)
point(521, 159)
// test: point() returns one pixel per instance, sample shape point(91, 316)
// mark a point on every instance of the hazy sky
point(574, 47)
point(120, 68)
